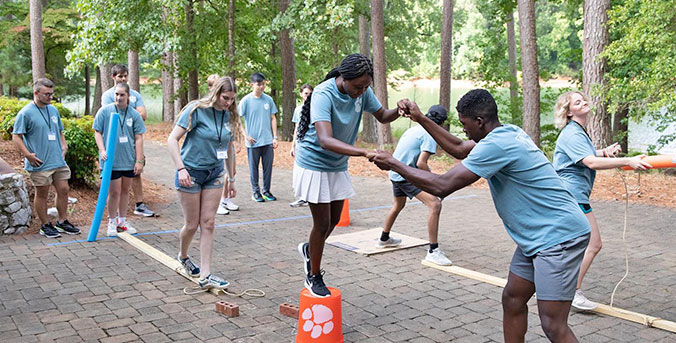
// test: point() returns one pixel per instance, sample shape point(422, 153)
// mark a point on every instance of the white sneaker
point(391, 242)
point(229, 205)
point(222, 210)
point(112, 229)
point(581, 302)
point(437, 257)
point(126, 227)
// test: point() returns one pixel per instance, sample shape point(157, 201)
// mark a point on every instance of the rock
point(9, 231)
point(21, 217)
point(4, 177)
point(13, 207)
point(7, 198)
point(4, 222)
point(20, 229)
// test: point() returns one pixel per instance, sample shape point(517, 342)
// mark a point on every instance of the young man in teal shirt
point(120, 74)
point(38, 134)
point(538, 212)
point(260, 135)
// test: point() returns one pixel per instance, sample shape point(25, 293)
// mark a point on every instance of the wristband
point(179, 169)
point(275, 137)
point(231, 179)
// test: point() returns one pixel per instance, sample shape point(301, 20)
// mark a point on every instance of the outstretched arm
point(385, 116)
point(450, 143)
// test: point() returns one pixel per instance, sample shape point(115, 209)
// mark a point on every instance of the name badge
point(124, 139)
point(51, 136)
point(222, 154)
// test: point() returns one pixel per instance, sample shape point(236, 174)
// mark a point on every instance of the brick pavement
point(110, 292)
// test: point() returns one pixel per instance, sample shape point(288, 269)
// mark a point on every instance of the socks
point(433, 246)
point(121, 221)
point(384, 236)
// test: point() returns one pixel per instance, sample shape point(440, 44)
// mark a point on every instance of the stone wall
point(15, 211)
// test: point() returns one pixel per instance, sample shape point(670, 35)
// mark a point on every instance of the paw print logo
point(317, 320)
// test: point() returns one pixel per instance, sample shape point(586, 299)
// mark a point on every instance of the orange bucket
point(345, 214)
point(320, 320)
point(658, 161)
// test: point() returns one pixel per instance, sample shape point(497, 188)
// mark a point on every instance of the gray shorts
point(554, 270)
point(404, 189)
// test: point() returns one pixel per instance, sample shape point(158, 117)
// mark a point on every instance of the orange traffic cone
point(320, 320)
point(345, 214)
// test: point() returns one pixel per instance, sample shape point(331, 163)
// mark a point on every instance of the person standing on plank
point(539, 213)
point(38, 134)
point(576, 161)
point(128, 160)
point(414, 149)
point(326, 134)
point(120, 74)
point(210, 126)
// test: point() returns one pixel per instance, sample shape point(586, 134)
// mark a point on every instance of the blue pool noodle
point(105, 177)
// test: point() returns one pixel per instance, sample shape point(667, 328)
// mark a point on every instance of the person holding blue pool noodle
point(576, 160)
point(327, 131)
point(128, 160)
point(210, 126)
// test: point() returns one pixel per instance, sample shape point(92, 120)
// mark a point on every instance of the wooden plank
point(159, 256)
point(635, 317)
point(364, 242)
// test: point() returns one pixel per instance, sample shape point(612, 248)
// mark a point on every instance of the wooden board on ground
point(364, 242)
point(603, 309)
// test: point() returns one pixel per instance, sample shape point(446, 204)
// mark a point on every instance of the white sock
point(122, 220)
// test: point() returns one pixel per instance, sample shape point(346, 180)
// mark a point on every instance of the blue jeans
point(267, 155)
point(202, 179)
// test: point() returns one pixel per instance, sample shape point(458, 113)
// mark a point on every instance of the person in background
point(305, 91)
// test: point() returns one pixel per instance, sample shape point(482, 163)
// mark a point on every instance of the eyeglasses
point(49, 95)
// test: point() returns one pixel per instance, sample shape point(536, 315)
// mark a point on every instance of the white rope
point(252, 292)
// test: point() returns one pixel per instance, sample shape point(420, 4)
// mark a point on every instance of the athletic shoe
point(268, 196)
point(389, 243)
point(142, 210)
point(437, 257)
point(67, 228)
point(581, 302)
point(49, 231)
point(257, 197)
point(315, 284)
point(229, 205)
point(222, 210)
point(298, 203)
point(112, 229)
point(190, 268)
point(126, 227)
point(213, 281)
point(305, 255)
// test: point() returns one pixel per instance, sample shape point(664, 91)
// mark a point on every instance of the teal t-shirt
point(135, 99)
point(536, 208)
point(572, 146)
point(344, 113)
point(38, 125)
point(129, 124)
point(296, 114)
point(256, 113)
point(201, 144)
point(411, 144)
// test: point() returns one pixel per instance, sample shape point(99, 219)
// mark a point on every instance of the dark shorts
point(586, 208)
point(116, 174)
point(553, 270)
point(202, 179)
point(404, 189)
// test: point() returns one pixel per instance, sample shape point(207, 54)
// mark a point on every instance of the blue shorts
point(554, 270)
point(404, 189)
point(202, 179)
point(586, 208)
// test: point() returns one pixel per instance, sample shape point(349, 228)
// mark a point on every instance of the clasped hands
point(384, 159)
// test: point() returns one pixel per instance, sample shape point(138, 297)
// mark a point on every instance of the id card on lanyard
point(221, 153)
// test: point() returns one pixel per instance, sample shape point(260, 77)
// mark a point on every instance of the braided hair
point(352, 67)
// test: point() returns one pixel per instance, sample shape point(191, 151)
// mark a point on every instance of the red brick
point(289, 310)
point(228, 309)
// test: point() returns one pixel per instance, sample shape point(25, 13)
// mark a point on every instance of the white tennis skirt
point(318, 187)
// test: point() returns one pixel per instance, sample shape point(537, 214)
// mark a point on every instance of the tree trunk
point(513, 78)
point(193, 75)
point(446, 58)
point(106, 77)
point(88, 92)
point(132, 61)
point(380, 67)
point(2, 87)
point(369, 131)
point(594, 68)
point(168, 86)
point(529, 66)
point(621, 128)
point(288, 78)
point(97, 91)
point(336, 58)
point(231, 38)
point(37, 49)
point(180, 95)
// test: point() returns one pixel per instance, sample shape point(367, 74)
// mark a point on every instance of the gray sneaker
point(142, 210)
point(213, 281)
point(390, 243)
point(190, 268)
point(298, 203)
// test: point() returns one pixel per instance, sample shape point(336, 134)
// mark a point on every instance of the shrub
point(82, 155)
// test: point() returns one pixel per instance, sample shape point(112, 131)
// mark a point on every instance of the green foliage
point(82, 155)
point(548, 136)
point(10, 107)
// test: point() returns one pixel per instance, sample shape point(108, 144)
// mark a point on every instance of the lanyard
point(583, 129)
point(49, 124)
point(219, 132)
point(123, 119)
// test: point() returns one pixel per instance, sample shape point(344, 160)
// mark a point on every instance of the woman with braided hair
point(327, 131)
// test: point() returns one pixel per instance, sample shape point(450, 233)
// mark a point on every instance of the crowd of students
point(544, 206)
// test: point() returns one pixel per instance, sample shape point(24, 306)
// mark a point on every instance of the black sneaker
point(305, 254)
point(67, 228)
point(257, 197)
point(315, 284)
point(48, 230)
point(268, 196)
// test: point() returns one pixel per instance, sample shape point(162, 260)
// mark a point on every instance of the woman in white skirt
point(326, 133)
